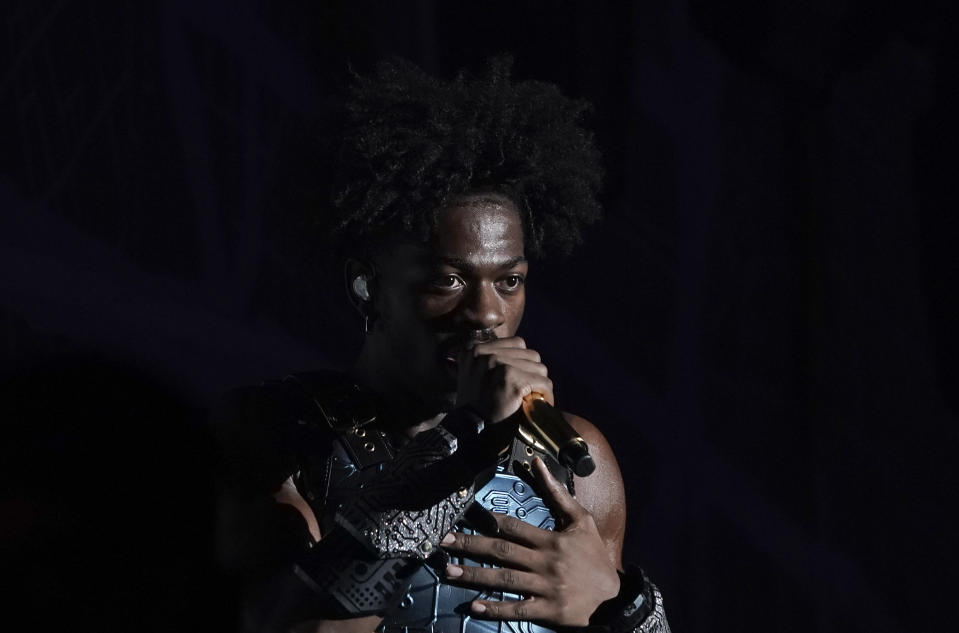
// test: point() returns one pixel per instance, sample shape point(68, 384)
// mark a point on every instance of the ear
point(359, 277)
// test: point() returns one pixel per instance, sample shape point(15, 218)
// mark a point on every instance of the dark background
point(762, 324)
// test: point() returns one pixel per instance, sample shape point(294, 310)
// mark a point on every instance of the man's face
point(433, 299)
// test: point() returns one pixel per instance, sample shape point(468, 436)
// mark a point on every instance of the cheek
point(399, 306)
point(436, 309)
point(516, 307)
point(405, 342)
point(406, 324)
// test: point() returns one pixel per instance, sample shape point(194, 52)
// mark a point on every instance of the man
point(409, 493)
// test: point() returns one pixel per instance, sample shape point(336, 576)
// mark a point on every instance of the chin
point(436, 393)
point(447, 402)
point(441, 402)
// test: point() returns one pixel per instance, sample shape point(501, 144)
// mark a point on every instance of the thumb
point(564, 507)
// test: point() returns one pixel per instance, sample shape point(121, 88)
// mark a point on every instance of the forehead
point(478, 228)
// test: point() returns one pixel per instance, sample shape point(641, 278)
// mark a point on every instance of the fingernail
point(449, 539)
point(452, 571)
point(479, 607)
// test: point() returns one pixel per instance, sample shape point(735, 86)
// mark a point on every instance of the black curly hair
point(412, 144)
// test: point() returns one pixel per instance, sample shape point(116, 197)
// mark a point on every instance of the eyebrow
point(467, 265)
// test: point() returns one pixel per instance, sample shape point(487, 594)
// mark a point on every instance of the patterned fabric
point(655, 622)
point(373, 513)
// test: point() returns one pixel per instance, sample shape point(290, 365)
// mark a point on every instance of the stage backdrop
point(762, 324)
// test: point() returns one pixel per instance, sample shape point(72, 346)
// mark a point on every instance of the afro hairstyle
point(411, 144)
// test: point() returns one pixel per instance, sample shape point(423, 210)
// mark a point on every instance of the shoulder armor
point(344, 408)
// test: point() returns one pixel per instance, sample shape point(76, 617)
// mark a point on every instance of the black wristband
point(464, 423)
point(626, 611)
point(479, 444)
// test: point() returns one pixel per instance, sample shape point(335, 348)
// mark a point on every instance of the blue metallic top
point(432, 606)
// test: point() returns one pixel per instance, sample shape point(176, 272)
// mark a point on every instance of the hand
point(495, 376)
point(565, 575)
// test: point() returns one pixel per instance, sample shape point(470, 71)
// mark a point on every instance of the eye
point(447, 282)
point(512, 283)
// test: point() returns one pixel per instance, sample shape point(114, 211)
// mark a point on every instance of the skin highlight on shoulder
point(603, 493)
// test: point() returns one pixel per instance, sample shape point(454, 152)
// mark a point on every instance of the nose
point(483, 308)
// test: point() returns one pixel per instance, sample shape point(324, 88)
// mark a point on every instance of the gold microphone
point(545, 428)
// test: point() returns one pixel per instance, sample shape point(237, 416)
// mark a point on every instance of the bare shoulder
point(602, 493)
point(588, 430)
point(605, 486)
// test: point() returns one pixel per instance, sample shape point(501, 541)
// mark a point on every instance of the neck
point(405, 414)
